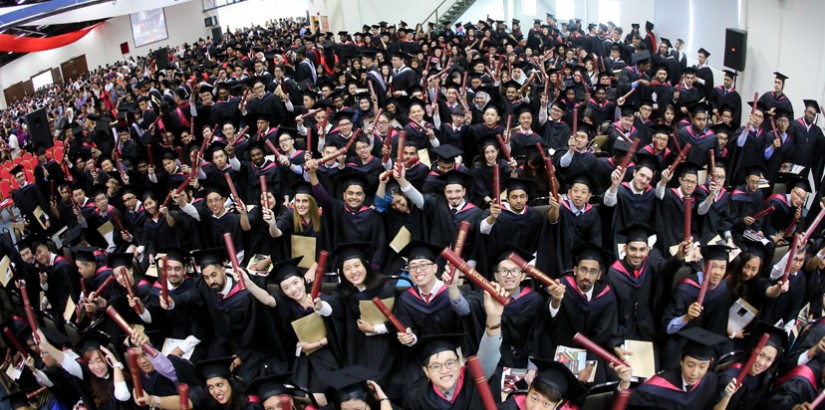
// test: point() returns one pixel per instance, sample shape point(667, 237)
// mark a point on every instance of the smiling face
point(454, 194)
point(294, 288)
point(579, 194)
point(97, 364)
point(354, 196)
point(215, 202)
point(443, 370)
point(717, 271)
point(509, 275)
point(220, 389)
point(422, 272)
point(764, 360)
point(354, 272)
point(587, 273)
point(636, 253)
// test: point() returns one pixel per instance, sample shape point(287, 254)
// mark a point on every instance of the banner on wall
point(16, 44)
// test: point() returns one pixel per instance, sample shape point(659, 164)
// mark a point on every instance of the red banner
point(9, 42)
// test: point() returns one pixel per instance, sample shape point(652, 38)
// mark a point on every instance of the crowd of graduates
point(222, 225)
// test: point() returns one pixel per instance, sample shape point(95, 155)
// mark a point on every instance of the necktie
point(426, 297)
point(220, 296)
point(454, 210)
point(689, 387)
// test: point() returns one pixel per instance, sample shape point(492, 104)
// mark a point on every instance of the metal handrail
point(435, 11)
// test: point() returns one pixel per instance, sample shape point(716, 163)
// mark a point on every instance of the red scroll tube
point(391, 317)
point(503, 147)
point(765, 212)
point(164, 282)
point(531, 270)
point(813, 226)
point(496, 184)
point(621, 397)
point(818, 400)
point(754, 354)
point(388, 145)
point(102, 287)
point(792, 225)
point(262, 181)
point(688, 215)
point(151, 156)
point(29, 312)
point(183, 395)
point(629, 155)
point(309, 140)
point(551, 173)
point(791, 255)
point(118, 223)
point(120, 321)
point(129, 289)
point(178, 190)
point(15, 342)
point(399, 153)
point(408, 163)
point(233, 256)
point(591, 346)
point(703, 290)
point(137, 383)
point(332, 156)
point(481, 383)
point(458, 245)
point(319, 274)
point(679, 158)
point(473, 275)
point(231, 184)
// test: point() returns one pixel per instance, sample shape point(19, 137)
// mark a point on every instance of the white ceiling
point(102, 11)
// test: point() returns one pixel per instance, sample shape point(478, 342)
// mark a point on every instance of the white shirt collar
point(227, 287)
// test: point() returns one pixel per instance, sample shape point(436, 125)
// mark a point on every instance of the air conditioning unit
point(210, 21)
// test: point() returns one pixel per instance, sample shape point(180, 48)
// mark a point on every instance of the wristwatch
point(118, 365)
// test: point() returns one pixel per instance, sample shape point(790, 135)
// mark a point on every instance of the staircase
point(448, 11)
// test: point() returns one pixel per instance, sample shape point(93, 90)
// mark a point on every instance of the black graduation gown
point(178, 323)
point(521, 230)
point(780, 219)
point(241, 327)
point(230, 223)
point(63, 285)
point(718, 219)
point(157, 385)
point(787, 305)
point(477, 134)
point(664, 391)
point(796, 387)
point(595, 318)
point(377, 352)
point(270, 106)
point(744, 203)
point(670, 216)
point(714, 317)
point(443, 224)
point(701, 143)
point(198, 232)
point(638, 296)
point(809, 143)
point(771, 100)
point(523, 141)
point(28, 199)
point(781, 155)
point(307, 370)
point(572, 231)
point(752, 391)
point(555, 134)
point(422, 395)
point(724, 97)
point(632, 208)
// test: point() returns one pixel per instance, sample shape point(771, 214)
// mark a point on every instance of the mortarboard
point(418, 249)
point(16, 169)
point(457, 177)
point(502, 252)
point(520, 184)
point(648, 26)
point(705, 52)
point(300, 187)
point(85, 254)
point(780, 76)
point(208, 257)
point(715, 252)
point(175, 253)
point(590, 251)
point(266, 387)
point(446, 152)
point(687, 167)
point(586, 178)
point(92, 340)
point(777, 337)
point(121, 259)
point(812, 103)
point(638, 232)
point(730, 73)
point(700, 343)
point(640, 57)
point(208, 369)
point(348, 251)
point(559, 377)
point(432, 344)
point(285, 269)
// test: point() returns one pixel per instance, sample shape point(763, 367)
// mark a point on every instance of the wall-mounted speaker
point(736, 47)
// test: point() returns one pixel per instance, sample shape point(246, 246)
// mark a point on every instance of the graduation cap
point(269, 386)
point(721, 128)
point(121, 259)
point(730, 73)
point(349, 383)
point(781, 113)
point(559, 377)
point(285, 269)
point(757, 248)
point(794, 181)
point(687, 167)
point(212, 368)
point(92, 340)
point(697, 108)
point(592, 252)
point(586, 178)
point(343, 180)
point(300, 187)
point(635, 25)
point(705, 52)
point(85, 253)
point(648, 26)
point(457, 177)
point(17, 169)
point(348, 251)
point(418, 249)
point(207, 257)
point(502, 252)
point(812, 104)
point(175, 253)
point(754, 170)
point(689, 71)
point(776, 337)
point(432, 344)
point(640, 57)
point(345, 114)
point(780, 76)
point(638, 232)
point(521, 184)
point(446, 152)
point(715, 252)
point(700, 343)
point(759, 105)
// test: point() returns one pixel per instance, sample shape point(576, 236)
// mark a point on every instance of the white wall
point(258, 12)
point(101, 46)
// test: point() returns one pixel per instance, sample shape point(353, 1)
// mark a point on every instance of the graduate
point(698, 136)
point(513, 221)
point(31, 202)
point(788, 207)
point(776, 100)
point(691, 384)
point(746, 202)
point(555, 386)
point(161, 376)
point(670, 207)
point(573, 220)
point(582, 303)
point(685, 312)
point(354, 386)
point(714, 206)
point(634, 200)
point(226, 391)
point(758, 380)
point(783, 307)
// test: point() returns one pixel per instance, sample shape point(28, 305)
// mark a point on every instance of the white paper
point(740, 315)
point(170, 344)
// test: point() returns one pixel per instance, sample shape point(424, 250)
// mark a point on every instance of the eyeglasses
point(449, 365)
point(509, 272)
point(420, 267)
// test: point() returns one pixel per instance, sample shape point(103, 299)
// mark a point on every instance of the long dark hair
point(374, 280)
point(238, 401)
point(737, 283)
point(102, 393)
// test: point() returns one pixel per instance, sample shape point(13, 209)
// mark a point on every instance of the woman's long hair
point(374, 280)
point(101, 394)
point(314, 217)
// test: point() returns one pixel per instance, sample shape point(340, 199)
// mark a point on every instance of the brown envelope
point(310, 329)
point(304, 246)
point(371, 314)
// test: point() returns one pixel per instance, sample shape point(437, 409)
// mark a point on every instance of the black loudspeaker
point(162, 58)
point(39, 128)
point(216, 33)
point(736, 46)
